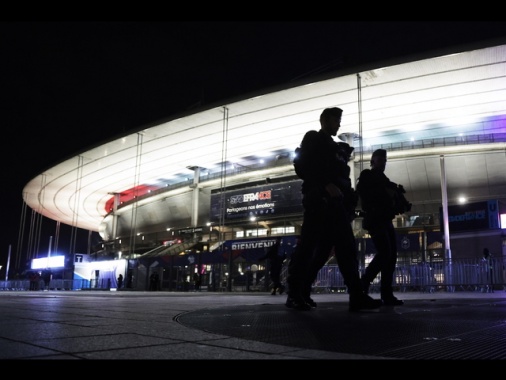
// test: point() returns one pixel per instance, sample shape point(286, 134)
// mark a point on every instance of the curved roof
point(445, 102)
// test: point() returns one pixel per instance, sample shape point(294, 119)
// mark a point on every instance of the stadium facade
point(214, 186)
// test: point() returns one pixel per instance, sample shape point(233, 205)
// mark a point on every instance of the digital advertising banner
point(270, 199)
point(472, 216)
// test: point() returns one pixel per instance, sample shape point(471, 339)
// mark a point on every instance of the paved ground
point(128, 325)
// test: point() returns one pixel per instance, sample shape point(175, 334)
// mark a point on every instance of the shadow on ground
point(421, 329)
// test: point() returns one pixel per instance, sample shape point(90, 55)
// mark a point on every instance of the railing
point(53, 285)
point(456, 275)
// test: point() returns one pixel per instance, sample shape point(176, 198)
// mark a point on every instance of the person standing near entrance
point(47, 275)
point(381, 200)
point(196, 281)
point(327, 197)
point(120, 281)
point(34, 280)
point(153, 281)
point(487, 259)
point(276, 259)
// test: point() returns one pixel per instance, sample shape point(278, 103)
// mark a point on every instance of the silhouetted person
point(487, 258)
point(379, 200)
point(153, 281)
point(196, 281)
point(120, 281)
point(328, 201)
point(46, 277)
point(34, 279)
point(275, 259)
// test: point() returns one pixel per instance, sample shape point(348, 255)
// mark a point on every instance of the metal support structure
point(444, 198)
point(221, 239)
point(8, 264)
point(77, 200)
point(195, 195)
point(360, 134)
point(137, 175)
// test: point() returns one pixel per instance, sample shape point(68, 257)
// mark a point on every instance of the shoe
point(293, 303)
point(273, 292)
point(364, 302)
point(310, 302)
point(365, 285)
point(392, 301)
point(281, 289)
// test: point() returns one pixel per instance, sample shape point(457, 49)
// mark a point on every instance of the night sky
point(67, 86)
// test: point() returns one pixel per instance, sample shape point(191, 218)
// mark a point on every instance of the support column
point(448, 253)
point(195, 195)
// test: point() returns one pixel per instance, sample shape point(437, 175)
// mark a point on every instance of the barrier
point(456, 275)
point(459, 274)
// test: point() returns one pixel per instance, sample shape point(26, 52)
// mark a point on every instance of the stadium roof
point(449, 103)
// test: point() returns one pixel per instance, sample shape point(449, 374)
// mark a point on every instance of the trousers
point(385, 259)
point(326, 227)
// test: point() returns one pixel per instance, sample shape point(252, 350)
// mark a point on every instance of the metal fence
point(454, 275)
point(54, 285)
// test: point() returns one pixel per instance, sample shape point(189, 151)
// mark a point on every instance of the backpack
point(298, 163)
point(400, 203)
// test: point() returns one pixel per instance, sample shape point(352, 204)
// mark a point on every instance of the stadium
point(205, 192)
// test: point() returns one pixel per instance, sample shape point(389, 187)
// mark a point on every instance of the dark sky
point(66, 86)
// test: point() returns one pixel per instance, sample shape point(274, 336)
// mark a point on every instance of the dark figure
point(275, 265)
point(34, 280)
point(153, 281)
point(381, 201)
point(487, 258)
point(120, 281)
point(47, 275)
point(328, 201)
point(130, 279)
point(322, 253)
point(196, 281)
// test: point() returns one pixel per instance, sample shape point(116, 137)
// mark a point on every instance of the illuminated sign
point(49, 262)
point(276, 198)
point(473, 216)
point(259, 195)
point(253, 244)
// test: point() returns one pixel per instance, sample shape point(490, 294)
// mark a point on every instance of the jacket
point(326, 161)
